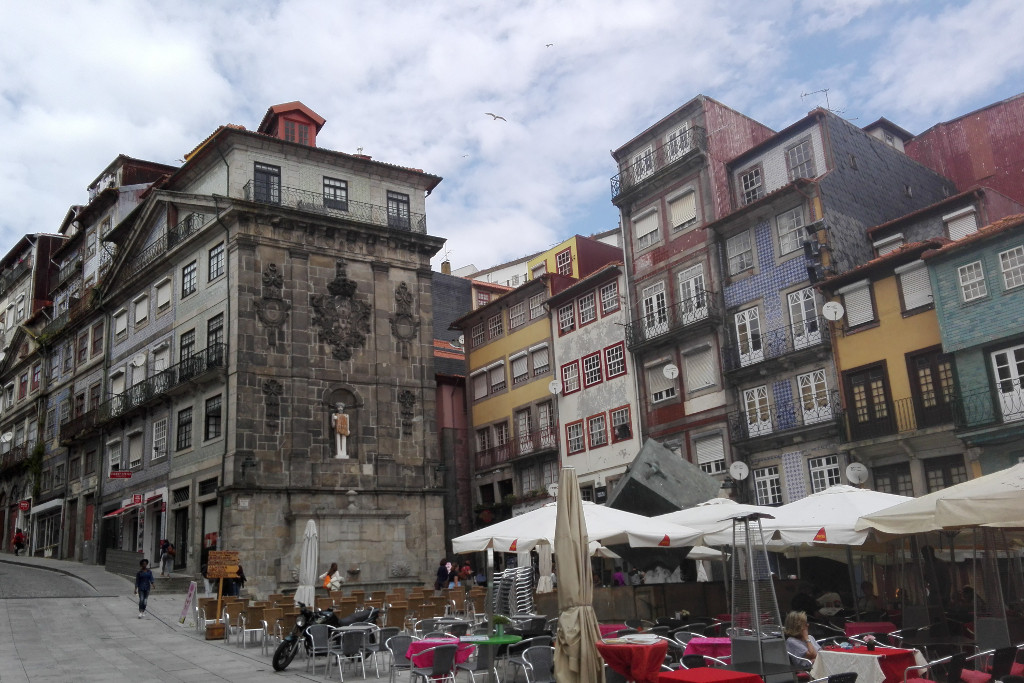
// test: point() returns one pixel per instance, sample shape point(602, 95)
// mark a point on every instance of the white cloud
point(82, 82)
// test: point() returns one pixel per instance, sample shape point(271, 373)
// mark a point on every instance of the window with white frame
point(622, 428)
point(517, 315)
point(563, 262)
point(570, 377)
point(477, 335)
point(800, 159)
point(646, 230)
point(824, 472)
point(540, 360)
point(529, 479)
point(972, 281)
point(189, 278)
point(482, 299)
point(501, 434)
point(483, 439)
point(815, 403)
point(961, 223)
point(741, 255)
point(677, 143)
point(539, 269)
point(750, 186)
point(610, 297)
point(615, 360)
point(114, 456)
point(588, 308)
point(768, 486)
point(790, 226)
point(566, 318)
point(160, 438)
point(574, 437)
point(536, 306)
point(520, 368)
point(548, 473)
point(683, 211)
point(479, 385)
point(495, 326)
point(598, 430)
point(497, 377)
point(711, 454)
point(661, 387)
point(700, 369)
point(592, 370)
point(1011, 262)
point(915, 285)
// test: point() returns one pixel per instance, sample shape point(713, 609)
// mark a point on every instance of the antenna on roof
point(827, 105)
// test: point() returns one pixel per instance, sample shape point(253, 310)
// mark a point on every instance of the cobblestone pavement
point(46, 639)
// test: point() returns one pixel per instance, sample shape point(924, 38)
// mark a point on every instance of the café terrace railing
point(304, 200)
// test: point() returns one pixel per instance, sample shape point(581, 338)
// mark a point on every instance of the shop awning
point(48, 505)
point(120, 511)
point(153, 499)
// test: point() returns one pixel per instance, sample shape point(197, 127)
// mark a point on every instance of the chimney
point(446, 267)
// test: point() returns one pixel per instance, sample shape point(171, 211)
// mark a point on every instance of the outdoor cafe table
point(706, 674)
point(855, 628)
point(638, 662)
point(427, 659)
point(884, 665)
point(712, 647)
point(609, 629)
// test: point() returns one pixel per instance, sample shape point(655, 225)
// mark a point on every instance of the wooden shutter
point(961, 226)
point(858, 306)
point(700, 370)
point(917, 288)
point(648, 223)
point(710, 449)
point(684, 209)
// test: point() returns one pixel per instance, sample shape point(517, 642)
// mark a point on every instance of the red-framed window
point(575, 441)
point(23, 385)
point(37, 375)
point(482, 299)
point(609, 297)
point(597, 430)
point(588, 308)
point(615, 360)
point(566, 319)
point(563, 262)
point(621, 424)
point(570, 378)
point(592, 372)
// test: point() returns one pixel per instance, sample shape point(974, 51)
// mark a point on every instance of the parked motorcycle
point(289, 647)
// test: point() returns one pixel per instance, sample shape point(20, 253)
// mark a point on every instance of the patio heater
point(914, 594)
point(990, 628)
point(756, 632)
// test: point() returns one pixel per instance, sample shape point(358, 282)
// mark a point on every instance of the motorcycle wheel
point(284, 654)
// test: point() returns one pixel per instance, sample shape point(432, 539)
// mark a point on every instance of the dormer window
point(888, 244)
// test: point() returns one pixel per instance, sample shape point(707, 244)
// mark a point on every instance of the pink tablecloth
point(713, 647)
point(425, 660)
point(608, 629)
point(855, 628)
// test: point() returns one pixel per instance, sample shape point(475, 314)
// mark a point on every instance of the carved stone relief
point(404, 324)
point(272, 390)
point(272, 309)
point(344, 321)
point(400, 570)
point(407, 400)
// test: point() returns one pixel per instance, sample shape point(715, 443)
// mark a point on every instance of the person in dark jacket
point(804, 601)
point(238, 583)
point(143, 584)
point(442, 575)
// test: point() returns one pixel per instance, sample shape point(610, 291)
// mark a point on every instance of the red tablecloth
point(854, 628)
point(714, 647)
point(640, 663)
point(425, 660)
point(894, 661)
point(708, 675)
point(608, 629)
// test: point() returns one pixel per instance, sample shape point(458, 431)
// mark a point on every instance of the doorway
point(180, 538)
point(72, 528)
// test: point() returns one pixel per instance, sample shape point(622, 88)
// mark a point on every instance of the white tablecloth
point(867, 668)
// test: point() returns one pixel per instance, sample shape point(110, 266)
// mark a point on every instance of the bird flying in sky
point(495, 116)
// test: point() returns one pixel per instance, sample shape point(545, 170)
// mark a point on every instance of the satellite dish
point(555, 387)
point(670, 371)
point(857, 473)
point(553, 490)
point(833, 310)
point(7, 436)
point(462, 340)
point(139, 360)
point(739, 471)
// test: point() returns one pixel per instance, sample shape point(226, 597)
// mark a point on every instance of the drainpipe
point(227, 357)
point(637, 367)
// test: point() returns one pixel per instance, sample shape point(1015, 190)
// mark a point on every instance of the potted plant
point(500, 620)
point(870, 642)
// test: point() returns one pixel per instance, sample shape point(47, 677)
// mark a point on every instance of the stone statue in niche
point(339, 421)
point(404, 325)
point(272, 309)
point(344, 321)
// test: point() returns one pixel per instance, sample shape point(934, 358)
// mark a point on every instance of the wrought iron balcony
point(809, 335)
point(820, 409)
point(79, 427)
point(187, 226)
point(493, 456)
point(660, 325)
point(304, 200)
point(163, 383)
point(538, 441)
point(12, 276)
point(987, 408)
point(877, 420)
point(14, 456)
point(68, 271)
point(78, 309)
point(645, 165)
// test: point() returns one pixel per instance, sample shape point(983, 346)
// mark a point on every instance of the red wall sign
point(24, 505)
point(121, 474)
point(137, 499)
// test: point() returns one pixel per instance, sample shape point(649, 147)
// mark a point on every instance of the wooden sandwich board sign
point(220, 564)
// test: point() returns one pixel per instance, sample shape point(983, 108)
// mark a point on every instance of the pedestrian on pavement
point(466, 574)
point(19, 541)
point(332, 578)
point(442, 575)
point(206, 581)
point(143, 584)
point(166, 557)
point(238, 583)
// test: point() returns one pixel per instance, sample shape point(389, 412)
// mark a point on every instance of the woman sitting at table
point(798, 641)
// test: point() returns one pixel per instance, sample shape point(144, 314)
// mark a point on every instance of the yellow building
point(897, 383)
point(576, 257)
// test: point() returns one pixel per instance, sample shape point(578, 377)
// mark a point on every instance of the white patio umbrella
point(712, 515)
point(606, 525)
point(544, 583)
point(829, 516)
point(306, 591)
point(598, 550)
point(994, 500)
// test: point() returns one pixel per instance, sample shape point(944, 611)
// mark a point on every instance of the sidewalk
point(103, 582)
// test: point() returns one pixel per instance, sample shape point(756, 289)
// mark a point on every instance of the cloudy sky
point(409, 83)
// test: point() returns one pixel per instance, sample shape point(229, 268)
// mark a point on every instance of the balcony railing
point(537, 441)
point(398, 218)
point(162, 382)
point(877, 420)
point(759, 347)
point(188, 225)
point(647, 164)
point(766, 419)
point(78, 427)
point(663, 323)
point(67, 271)
point(14, 274)
point(14, 456)
point(987, 408)
point(78, 309)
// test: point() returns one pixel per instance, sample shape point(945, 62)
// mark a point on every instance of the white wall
point(774, 171)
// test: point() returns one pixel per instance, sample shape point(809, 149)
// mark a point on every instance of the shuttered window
point(711, 454)
point(700, 370)
point(961, 224)
point(646, 230)
point(540, 361)
point(917, 288)
point(121, 322)
point(683, 210)
point(520, 369)
point(163, 294)
point(661, 387)
point(498, 378)
point(135, 450)
point(480, 385)
point(141, 310)
point(858, 306)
